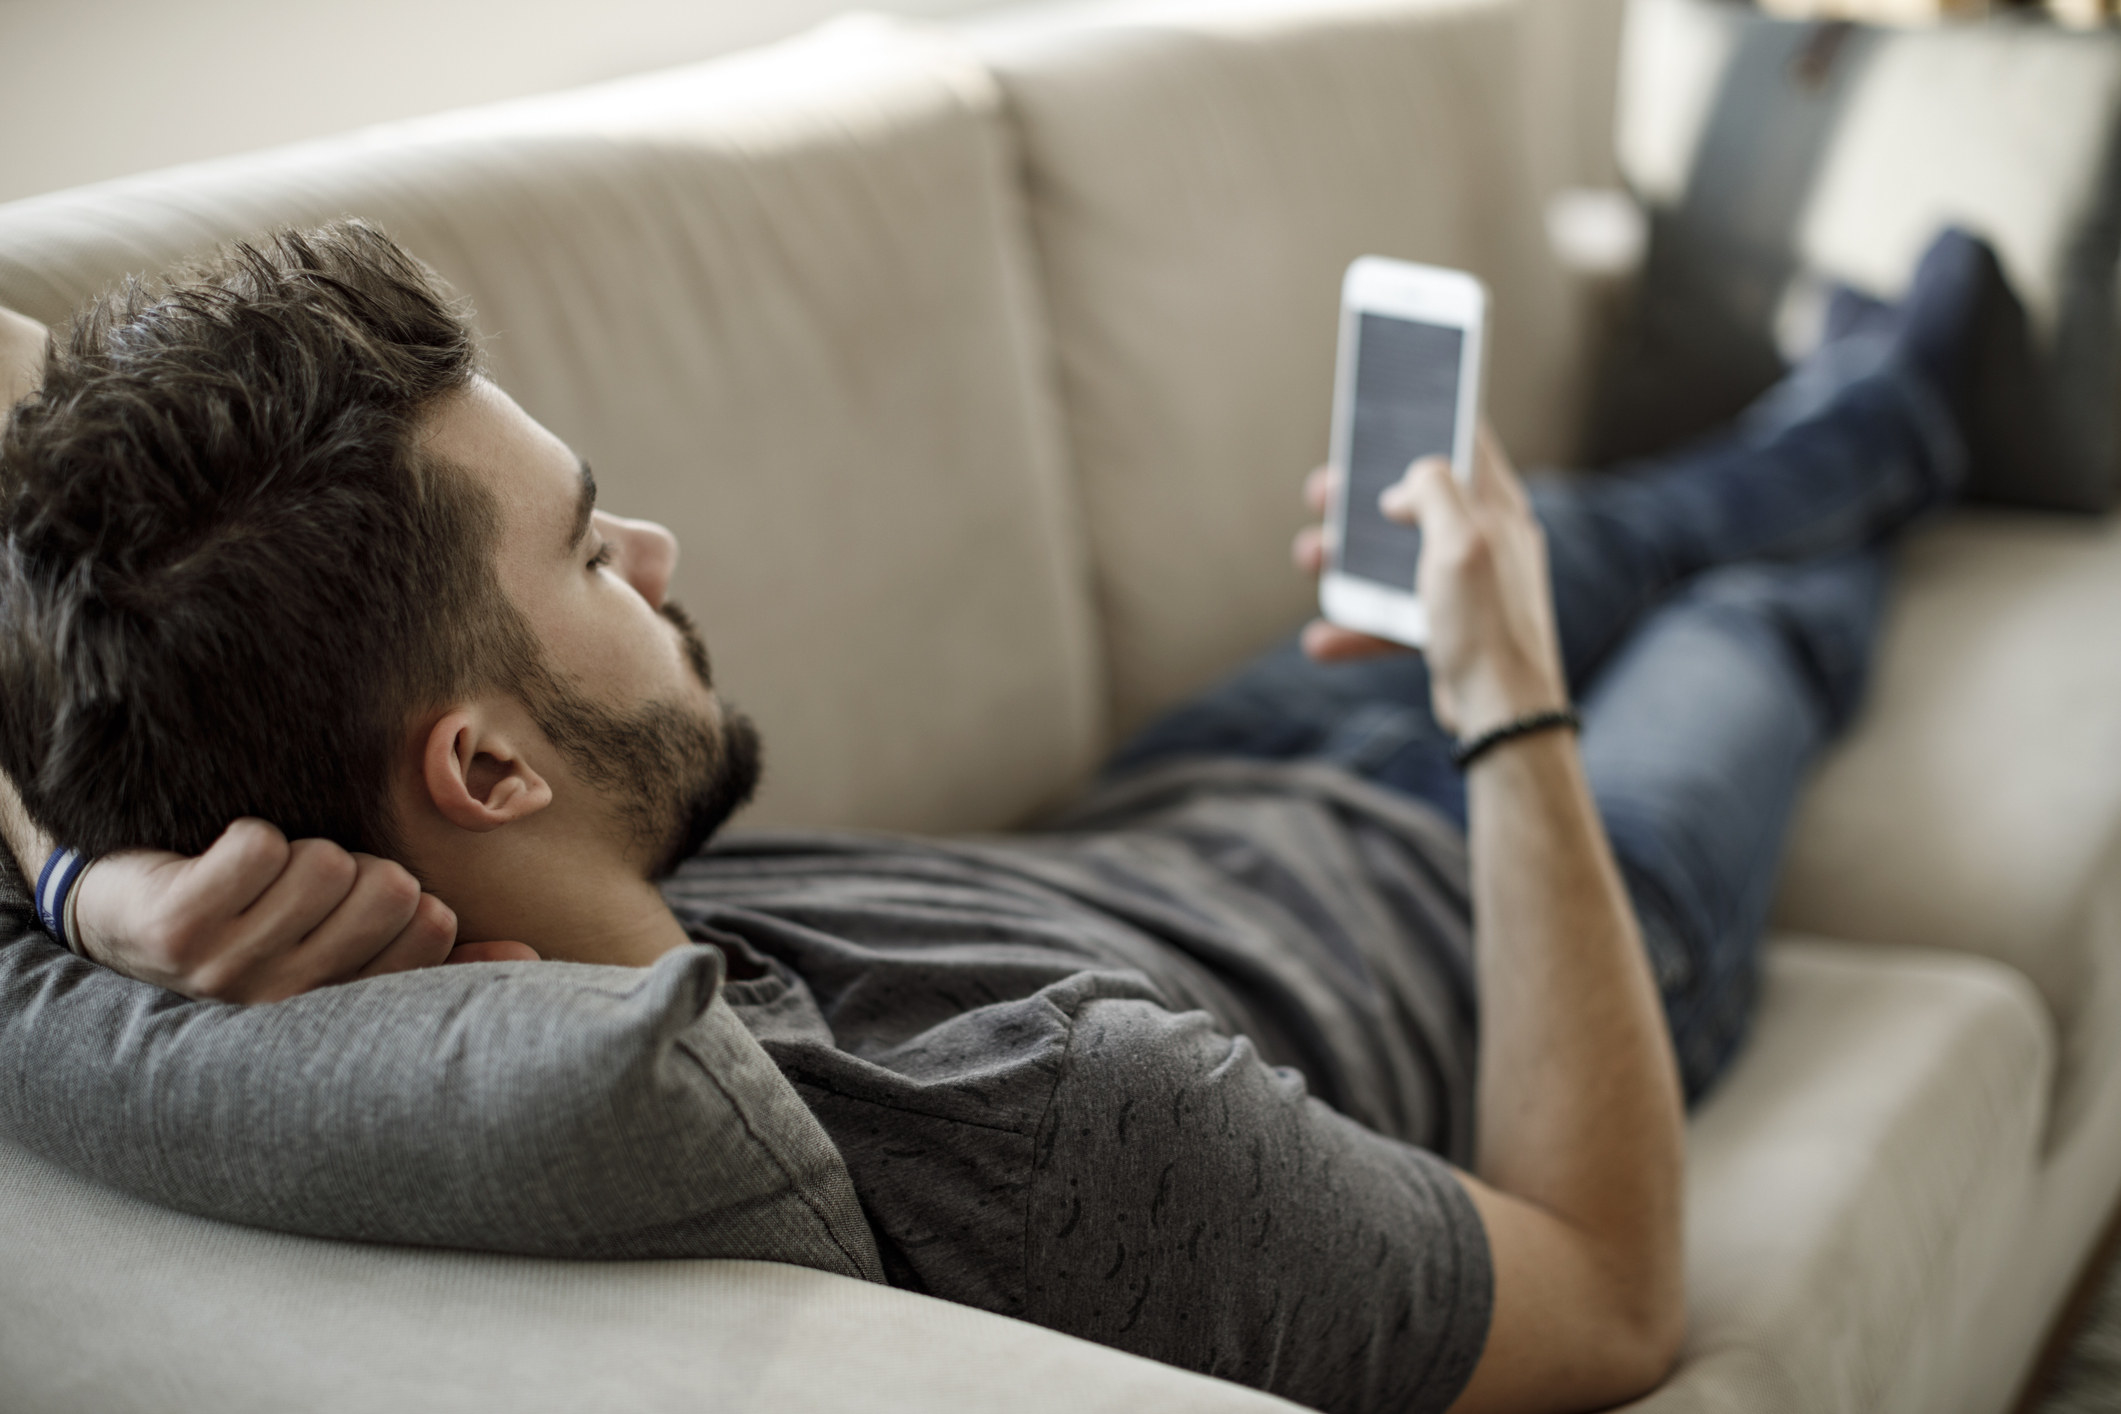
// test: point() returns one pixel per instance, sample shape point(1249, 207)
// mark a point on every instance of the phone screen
point(1406, 408)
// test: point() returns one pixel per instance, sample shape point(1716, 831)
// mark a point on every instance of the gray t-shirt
point(1172, 1075)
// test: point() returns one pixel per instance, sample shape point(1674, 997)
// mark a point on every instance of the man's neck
point(580, 914)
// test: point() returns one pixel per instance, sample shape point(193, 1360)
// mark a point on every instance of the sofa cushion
point(1200, 176)
point(1854, 1180)
point(115, 1306)
point(540, 1108)
point(1773, 154)
point(1976, 803)
point(782, 303)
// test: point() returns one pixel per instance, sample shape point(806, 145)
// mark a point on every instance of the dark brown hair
point(229, 576)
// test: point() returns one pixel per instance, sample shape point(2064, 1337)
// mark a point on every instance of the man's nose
point(649, 555)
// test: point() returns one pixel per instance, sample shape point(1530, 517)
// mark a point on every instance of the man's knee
point(1819, 616)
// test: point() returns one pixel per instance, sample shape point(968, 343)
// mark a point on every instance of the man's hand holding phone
point(1492, 649)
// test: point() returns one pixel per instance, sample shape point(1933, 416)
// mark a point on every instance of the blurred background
point(179, 80)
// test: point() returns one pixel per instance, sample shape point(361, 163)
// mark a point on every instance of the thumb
point(1427, 495)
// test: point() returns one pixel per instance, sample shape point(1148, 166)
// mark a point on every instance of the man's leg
point(1700, 724)
point(1860, 438)
point(1697, 738)
point(1841, 455)
point(1698, 735)
point(1849, 448)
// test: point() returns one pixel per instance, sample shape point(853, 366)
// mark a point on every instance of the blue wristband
point(57, 879)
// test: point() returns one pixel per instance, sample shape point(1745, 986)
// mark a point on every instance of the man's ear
point(477, 776)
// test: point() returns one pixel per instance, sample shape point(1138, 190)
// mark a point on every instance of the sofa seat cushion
point(1200, 175)
point(1855, 1177)
point(1976, 804)
point(783, 303)
point(112, 1305)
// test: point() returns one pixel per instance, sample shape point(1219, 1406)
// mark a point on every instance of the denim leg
point(1716, 611)
point(1370, 717)
point(1838, 456)
point(1697, 739)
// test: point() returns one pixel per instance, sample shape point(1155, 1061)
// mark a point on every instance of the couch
point(977, 369)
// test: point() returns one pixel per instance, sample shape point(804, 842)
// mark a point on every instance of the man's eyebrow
point(584, 504)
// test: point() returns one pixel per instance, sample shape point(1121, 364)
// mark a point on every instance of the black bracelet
point(1467, 752)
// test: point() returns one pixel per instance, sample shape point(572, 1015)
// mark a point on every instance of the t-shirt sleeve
point(1193, 1205)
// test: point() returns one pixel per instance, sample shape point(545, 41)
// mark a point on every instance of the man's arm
point(1580, 1163)
point(1580, 1160)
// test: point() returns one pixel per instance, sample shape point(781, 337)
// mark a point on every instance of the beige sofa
point(976, 370)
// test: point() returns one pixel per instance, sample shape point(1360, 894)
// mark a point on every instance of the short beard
point(673, 778)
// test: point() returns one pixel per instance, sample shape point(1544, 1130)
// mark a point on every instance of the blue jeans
point(1716, 610)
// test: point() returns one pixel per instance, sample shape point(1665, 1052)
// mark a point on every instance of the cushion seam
point(758, 1137)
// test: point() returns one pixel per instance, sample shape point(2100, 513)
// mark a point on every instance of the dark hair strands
point(229, 576)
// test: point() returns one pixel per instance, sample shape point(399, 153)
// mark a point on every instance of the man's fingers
point(1496, 479)
point(1318, 489)
point(425, 941)
point(178, 929)
point(1309, 550)
point(318, 878)
point(492, 952)
point(1330, 643)
point(1427, 495)
point(234, 872)
point(383, 902)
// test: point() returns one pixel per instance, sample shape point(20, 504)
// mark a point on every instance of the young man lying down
point(1293, 1054)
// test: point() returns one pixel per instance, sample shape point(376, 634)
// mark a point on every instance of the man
point(275, 547)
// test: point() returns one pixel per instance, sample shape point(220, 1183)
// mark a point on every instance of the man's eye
point(602, 557)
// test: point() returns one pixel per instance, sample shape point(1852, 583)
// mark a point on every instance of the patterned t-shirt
point(1172, 1074)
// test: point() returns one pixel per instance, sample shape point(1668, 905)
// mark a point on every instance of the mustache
point(689, 636)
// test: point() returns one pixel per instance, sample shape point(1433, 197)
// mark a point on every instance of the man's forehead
point(537, 481)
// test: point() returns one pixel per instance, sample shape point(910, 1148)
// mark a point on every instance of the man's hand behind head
point(257, 919)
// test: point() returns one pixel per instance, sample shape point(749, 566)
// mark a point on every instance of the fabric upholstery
point(1571, 58)
point(782, 303)
point(2057, 1242)
point(1855, 1178)
point(538, 1108)
point(1200, 176)
point(1976, 803)
point(1774, 154)
point(111, 1305)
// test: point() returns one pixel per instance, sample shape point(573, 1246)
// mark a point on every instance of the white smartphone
point(1408, 387)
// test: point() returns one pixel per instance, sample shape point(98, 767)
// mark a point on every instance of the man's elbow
point(1641, 1348)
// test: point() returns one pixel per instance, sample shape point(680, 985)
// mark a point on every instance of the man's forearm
point(28, 844)
point(22, 342)
point(1580, 1107)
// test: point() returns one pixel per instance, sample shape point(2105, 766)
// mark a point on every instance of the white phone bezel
point(1375, 284)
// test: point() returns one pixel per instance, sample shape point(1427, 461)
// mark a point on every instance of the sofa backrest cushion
point(1200, 176)
point(783, 303)
point(1775, 154)
point(541, 1108)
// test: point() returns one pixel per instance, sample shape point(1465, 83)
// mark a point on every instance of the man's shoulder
point(939, 1120)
